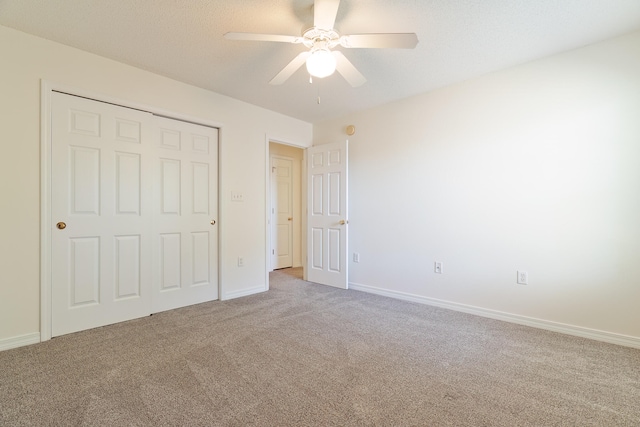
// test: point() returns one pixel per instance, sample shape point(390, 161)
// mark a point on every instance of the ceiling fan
point(320, 39)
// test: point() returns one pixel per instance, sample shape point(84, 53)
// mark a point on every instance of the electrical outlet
point(523, 277)
point(437, 267)
point(356, 257)
point(240, 261)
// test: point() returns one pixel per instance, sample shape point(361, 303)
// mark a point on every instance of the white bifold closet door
point(133, 198)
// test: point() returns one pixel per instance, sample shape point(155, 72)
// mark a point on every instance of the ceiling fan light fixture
point(321, 38)
point(321, 63)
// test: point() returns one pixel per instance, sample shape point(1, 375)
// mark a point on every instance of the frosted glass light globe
point(321, 63)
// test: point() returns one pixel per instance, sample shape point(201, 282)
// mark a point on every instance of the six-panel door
point(101, 212)
point(327, 216)
point(185, 235)
point(282, 209)
point(133, 208)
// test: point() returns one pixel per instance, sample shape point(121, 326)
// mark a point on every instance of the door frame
point(267, 204)
point(46, 223)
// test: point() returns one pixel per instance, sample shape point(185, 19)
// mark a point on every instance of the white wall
point(534, 168)
point(26, 60)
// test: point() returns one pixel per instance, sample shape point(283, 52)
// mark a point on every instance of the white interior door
point(101, 214)
point(185, 206)
point(282, 212)
point(327, 214)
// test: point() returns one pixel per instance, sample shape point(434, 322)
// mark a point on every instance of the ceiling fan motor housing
point(315, 36)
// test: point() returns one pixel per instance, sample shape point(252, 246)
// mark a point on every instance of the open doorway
point(285, 206)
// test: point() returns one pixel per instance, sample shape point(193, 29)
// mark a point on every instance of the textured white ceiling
point(459, 39)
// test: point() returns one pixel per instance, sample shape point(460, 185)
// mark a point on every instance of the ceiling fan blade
point(348, 71)
point(324, 13)
point(291, 68)
point(262, 37)
point(389, 40)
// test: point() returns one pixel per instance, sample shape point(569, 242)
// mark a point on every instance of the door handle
point(343, 222)
point(289, 219)
point(213, 222)
point(61, 225)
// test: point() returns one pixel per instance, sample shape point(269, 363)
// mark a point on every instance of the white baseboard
point(594, 334)
point(20, 341)
point(243, 293)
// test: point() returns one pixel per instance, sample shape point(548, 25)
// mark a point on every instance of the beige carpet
point(309, 355)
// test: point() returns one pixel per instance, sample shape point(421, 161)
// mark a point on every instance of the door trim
point(46, 224)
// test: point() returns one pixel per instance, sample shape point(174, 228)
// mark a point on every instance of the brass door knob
point(343, 222)
point(61, 225)
point(213, 222)
point(289, 219)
